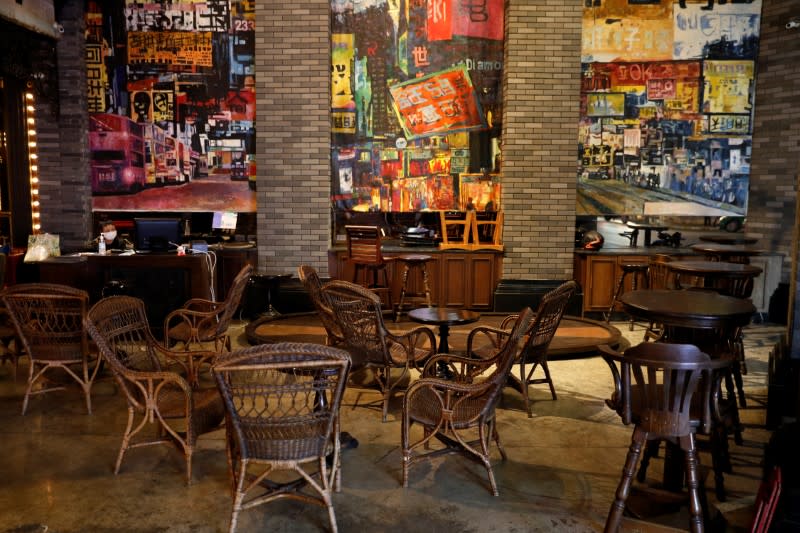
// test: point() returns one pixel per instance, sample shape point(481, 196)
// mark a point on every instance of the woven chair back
point(49, 320)
point(548, 316)
point(119, 327)
point(312, 283)
point(282, 399)
point(358, 314)
point(232, 299)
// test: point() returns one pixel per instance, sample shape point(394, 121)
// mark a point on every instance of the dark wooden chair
point(48, 321)
point(365, 254)
point(533, 353)
point(654, 387)
point(452, 410)
point(370, 344)
point(282, 413)
point(312, 283)
point(659, 276)
point(156, 395)
point(201, 320)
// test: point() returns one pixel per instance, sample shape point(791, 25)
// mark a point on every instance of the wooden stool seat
point(627, 268)
point(410, 262)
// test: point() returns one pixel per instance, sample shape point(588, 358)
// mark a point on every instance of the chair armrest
point(620, 400)
point(464, 369)
point(152, 384)
point(194, 319)
point(201, 304)
point(189, 360)
point(494, 336)
point(413, 342)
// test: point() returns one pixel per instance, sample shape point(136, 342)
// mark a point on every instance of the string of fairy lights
point(33, 160)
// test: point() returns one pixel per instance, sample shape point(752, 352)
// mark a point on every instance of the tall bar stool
point(365, 254)
point(411, 262)
point(634, 269)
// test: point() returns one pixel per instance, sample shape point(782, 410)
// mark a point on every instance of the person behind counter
point(109, 234)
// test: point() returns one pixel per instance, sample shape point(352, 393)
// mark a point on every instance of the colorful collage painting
point(415, 101)
point(172, 105)
point(667, 106)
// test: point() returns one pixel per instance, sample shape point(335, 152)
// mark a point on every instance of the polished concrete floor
point(563, 465)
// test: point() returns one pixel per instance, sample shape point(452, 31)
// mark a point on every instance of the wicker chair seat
point(185, 333)
point(427, 408)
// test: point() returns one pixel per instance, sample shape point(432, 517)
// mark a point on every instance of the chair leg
point(548, 378)
point(402, 293)
point(618, 506)
point(650, 450)
point(693, 484)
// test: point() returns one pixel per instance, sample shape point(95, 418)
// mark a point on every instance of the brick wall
point(541, 88)
point(293, 134)
point(775, 161)
point(63, 139)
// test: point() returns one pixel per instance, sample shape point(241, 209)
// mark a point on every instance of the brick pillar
point(541, 89)
point(293, 134)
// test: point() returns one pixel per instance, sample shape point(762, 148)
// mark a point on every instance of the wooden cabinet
point(457, 278)
point(598, 276)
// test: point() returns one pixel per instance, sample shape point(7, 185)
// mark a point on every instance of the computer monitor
point(156, 234)
point(225, 220)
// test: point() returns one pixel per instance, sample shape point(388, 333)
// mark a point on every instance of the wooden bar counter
point(459, 278)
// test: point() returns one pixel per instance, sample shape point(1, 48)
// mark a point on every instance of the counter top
point(394, 246)
point(638, 250)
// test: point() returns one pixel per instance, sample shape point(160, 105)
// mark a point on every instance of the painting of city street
point(667, 107)
point(172, 105)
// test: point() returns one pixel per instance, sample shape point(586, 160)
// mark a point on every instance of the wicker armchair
point(370, 344)
point(452, 411)
point(180, 410)
point(282, 411)
point(484, 342)
point(308, 275)
point(201, 320)
point(654, 389)
point(48, 320)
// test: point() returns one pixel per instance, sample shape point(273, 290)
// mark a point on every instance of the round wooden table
point(732, 253)
point(731, 238)
point(444, 317)
point(689, 309)
point(715, 274)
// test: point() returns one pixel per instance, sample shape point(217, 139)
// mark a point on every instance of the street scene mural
point(416, 104)
point(172, 105)
point(667, 106)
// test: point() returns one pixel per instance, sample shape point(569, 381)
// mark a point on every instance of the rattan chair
point(460, 413)
point(484, 342)
point(282, 413)
point(370, 344)
point(201, 320)
point(654, 387)
point(312, 283)
point(180, 410)
point(9, 345)
point(48, 320)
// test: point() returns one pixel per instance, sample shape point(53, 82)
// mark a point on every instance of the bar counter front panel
point(458, 278)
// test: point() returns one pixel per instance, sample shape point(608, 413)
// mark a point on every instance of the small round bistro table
point(444, 317)
point(732, 253)
point(717, 275)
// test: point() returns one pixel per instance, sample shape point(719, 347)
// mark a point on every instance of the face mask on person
point(110, 235)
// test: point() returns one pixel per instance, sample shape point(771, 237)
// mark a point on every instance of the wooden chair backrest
point(364, 244)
